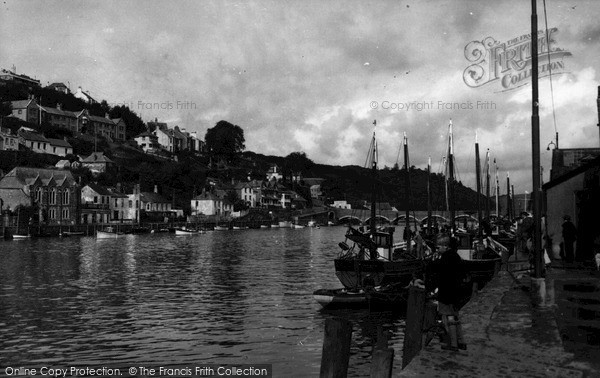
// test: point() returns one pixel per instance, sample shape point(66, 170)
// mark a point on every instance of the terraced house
point(54, 193)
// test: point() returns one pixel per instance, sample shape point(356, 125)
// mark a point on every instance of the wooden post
point(414, 324)
point(336, 348)
point(382, 360)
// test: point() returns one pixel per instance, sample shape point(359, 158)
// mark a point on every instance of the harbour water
point(225, 297)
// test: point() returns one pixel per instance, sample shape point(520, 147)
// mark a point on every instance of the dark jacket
point(569, 232)
point(450, 277)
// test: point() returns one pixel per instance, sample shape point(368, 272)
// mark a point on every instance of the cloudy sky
point(313, 75)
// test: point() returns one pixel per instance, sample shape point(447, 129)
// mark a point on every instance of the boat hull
point(340, 298)
point(355, 273)
point(107, 235)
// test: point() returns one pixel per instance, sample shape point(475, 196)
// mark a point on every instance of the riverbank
point(508, 337)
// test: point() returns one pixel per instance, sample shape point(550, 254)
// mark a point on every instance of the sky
point(312, 76)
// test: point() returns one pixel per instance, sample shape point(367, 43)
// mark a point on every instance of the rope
point(550, 67)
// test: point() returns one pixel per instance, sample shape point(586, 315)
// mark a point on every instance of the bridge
point(383, 216)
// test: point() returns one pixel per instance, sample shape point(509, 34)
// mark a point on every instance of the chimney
point(156, 189)
point(106, 116)
point(59, 106)
point(136, 189)
point(118, 187)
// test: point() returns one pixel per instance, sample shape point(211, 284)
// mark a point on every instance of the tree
point(135, 125)
point(297, 163)
point(225, 141)
point(5, 108)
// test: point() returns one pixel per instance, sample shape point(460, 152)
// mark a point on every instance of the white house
point(210, 204)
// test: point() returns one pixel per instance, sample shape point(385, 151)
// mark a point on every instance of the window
point(65, 214)
point(130, 204)
point(53, 196)
point(20, 111)
point(147, 207)
point(52, 213)
point(66, 197)
point(38, 194)
point(137, 204)
point(116, 202)
point(95, 199)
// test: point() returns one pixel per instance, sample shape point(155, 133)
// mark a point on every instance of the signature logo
point(509, 63)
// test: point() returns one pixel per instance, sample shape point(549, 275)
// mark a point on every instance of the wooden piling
point(382, 359)
point(336, 348)
point(414, 324)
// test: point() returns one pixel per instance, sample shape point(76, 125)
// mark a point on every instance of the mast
point(512, 196)
point(373, 252)
point(508, 197)
point(429, 196)
point(478, 178)
point(445, 163)
point(497, 191)
point(407, 195)
point(487, 185)
point(451, 179)
point(535, 144)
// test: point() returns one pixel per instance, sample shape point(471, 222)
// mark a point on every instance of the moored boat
point(221, 228)
point(66, 234)
point(108, 233)
point(285, 224)
point(187, 232)
point(331, 298)
point(374, 260)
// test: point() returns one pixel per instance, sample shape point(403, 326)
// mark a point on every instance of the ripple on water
point(222, 297)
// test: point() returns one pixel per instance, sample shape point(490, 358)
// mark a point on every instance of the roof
point(100, 119)
point(21, 104)
point(146, 134)
point(97, 157)
point(99, 189)
point(152, 197)
point(20, 176)
point(59, 143)
point(207, 196)
point(313, 181)
point(57, 85)
point(567, 159)
point(36, 137)
point(569, 175)
point(57, 111)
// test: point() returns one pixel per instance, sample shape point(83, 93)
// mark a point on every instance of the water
point(159, 299)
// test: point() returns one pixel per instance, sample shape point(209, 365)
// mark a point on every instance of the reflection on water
point(223, 297)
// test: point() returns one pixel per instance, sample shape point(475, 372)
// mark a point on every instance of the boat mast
point(407, 195)
point(508, 197)
point(429, 196)
point(373, 251)
point(478, 178)
point(487, 185)
point(497, 191)
point(445, 163)
point(535, 145)
point(451, 179)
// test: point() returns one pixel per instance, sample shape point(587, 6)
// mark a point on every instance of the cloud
point(301, 76)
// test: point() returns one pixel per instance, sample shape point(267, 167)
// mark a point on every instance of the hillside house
point(95, 204)
point(8, 141)
point(54, 192)
point(26, 110)
point(97, 162)
point(209, 203)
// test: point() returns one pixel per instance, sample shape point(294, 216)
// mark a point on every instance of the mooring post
point(414, 324)
point(382, 360)
point(336, 348)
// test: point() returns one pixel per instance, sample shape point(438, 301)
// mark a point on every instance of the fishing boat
point(373, 259)
point(221, 228)
point(481, 254)
point(264, 226)
point(298, 226)
point(108, 233)
point(275, 225)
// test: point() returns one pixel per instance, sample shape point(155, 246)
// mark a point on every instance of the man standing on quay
point(569, 234)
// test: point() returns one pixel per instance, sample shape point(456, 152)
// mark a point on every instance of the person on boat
point(450, 277)
point(569, 234)
point(419, 245)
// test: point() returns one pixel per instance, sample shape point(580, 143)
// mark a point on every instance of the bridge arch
point(350, 219)
point(380, 218)
point(402, 218)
